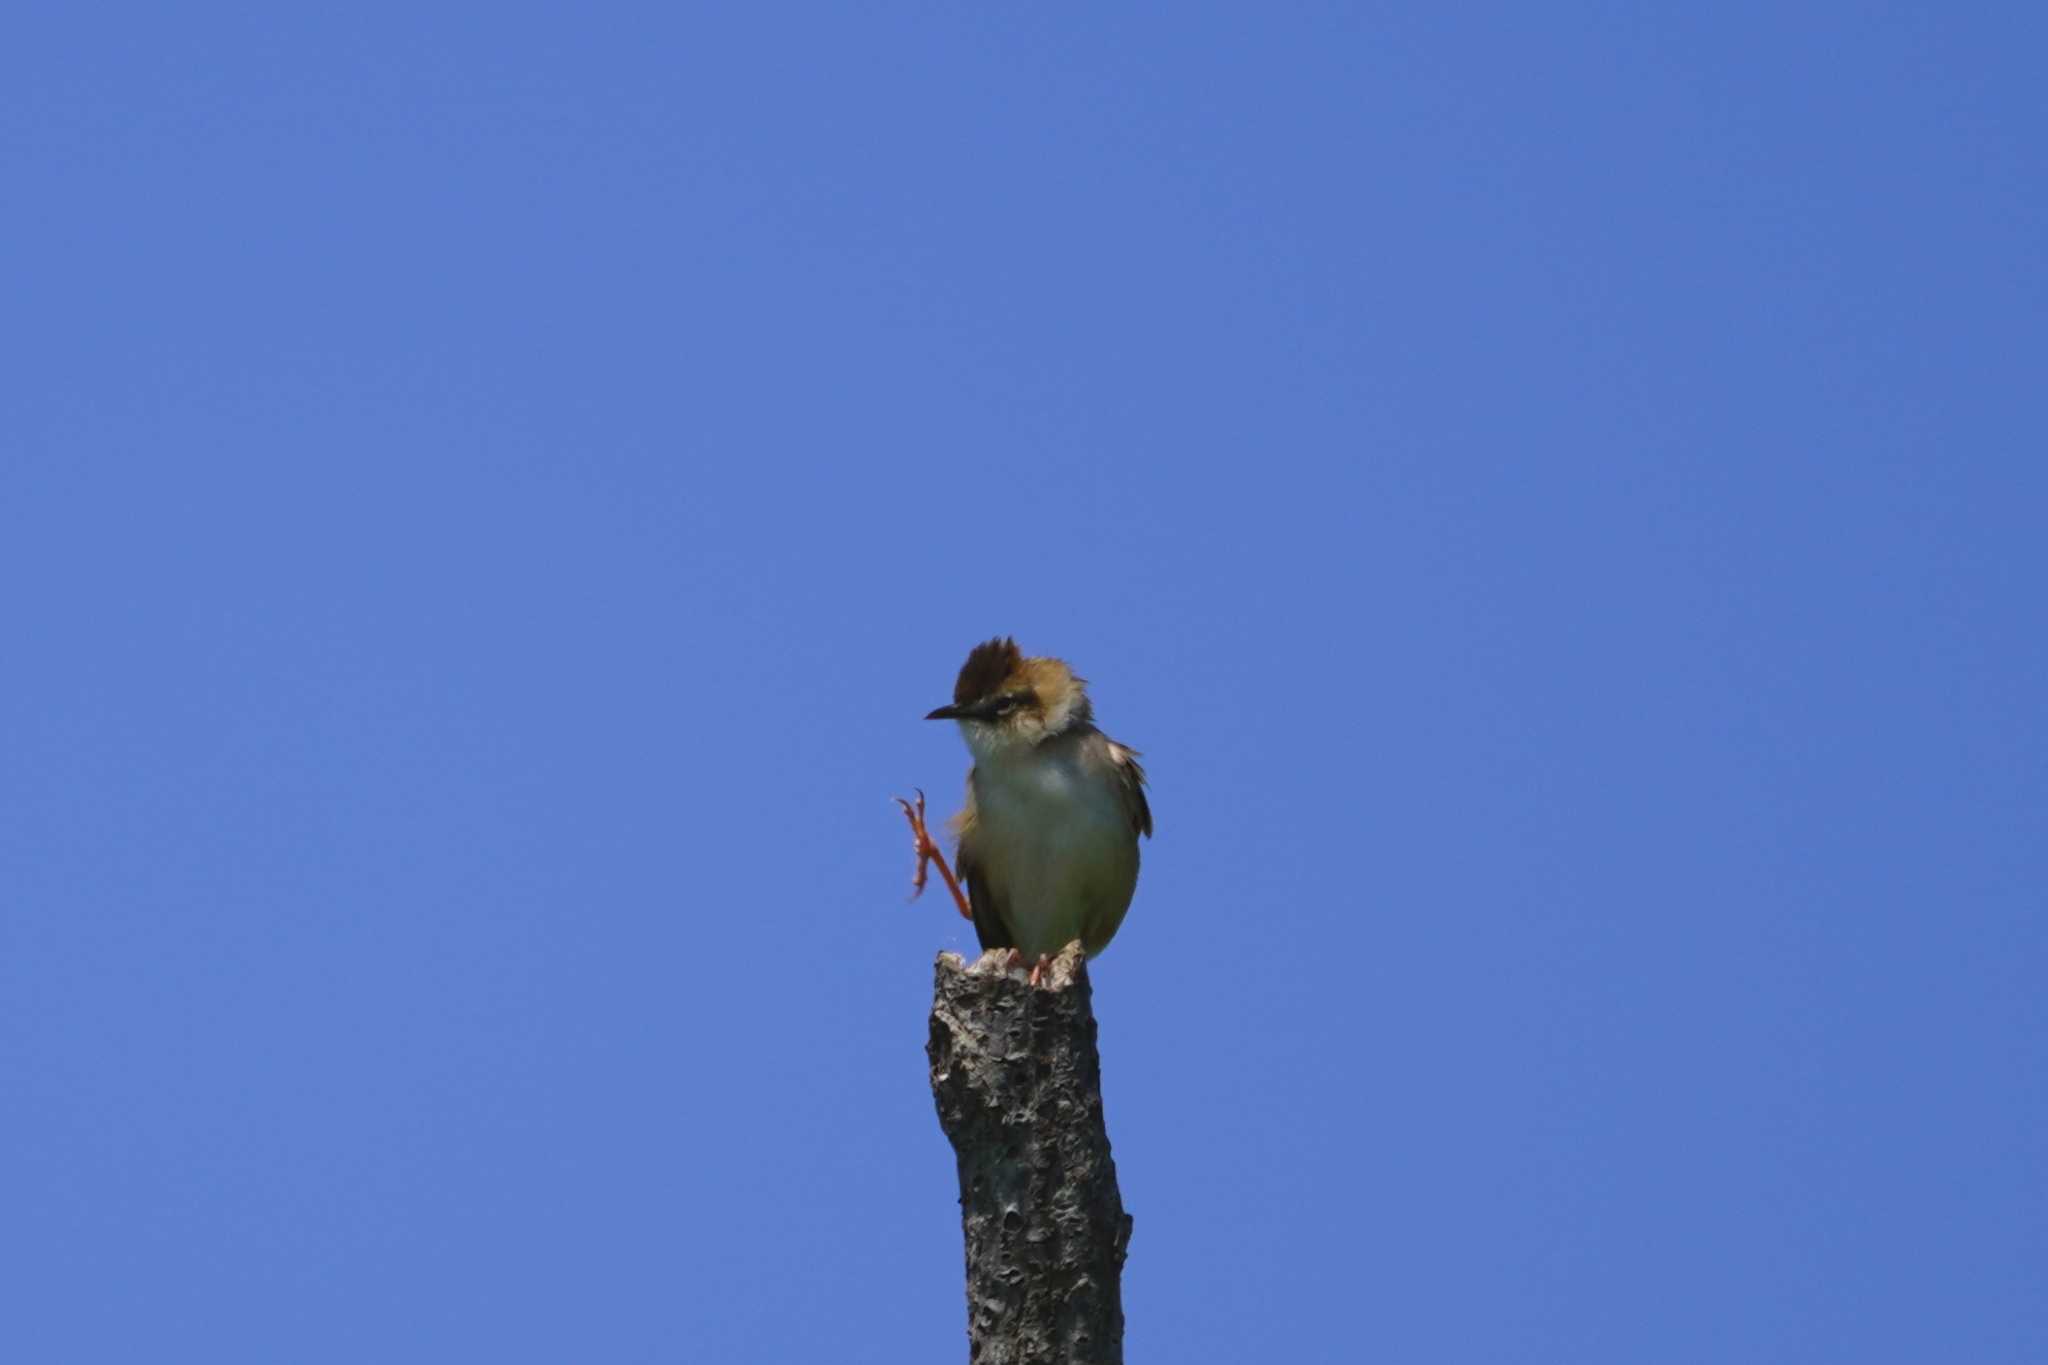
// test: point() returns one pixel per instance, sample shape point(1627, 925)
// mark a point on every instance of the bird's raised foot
point(920, 840)
point(928, 852)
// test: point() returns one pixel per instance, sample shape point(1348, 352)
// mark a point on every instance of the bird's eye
point(1008, 702)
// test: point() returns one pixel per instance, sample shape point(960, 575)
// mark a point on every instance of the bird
point(1048, 839)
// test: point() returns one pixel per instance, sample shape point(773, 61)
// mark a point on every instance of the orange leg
point(928, 852)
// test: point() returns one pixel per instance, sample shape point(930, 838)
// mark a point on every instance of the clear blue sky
point(1558, 496)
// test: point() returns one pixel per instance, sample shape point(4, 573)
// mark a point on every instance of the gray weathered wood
point(1019, 1090)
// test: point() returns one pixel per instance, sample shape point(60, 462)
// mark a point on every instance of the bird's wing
point(981, 897)
point(1130, 785)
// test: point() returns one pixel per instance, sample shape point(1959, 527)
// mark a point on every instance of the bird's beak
point(974, 710)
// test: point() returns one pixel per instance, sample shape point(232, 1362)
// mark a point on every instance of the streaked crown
point(1000, 693)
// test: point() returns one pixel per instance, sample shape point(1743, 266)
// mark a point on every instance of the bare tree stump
point(1019, 1089)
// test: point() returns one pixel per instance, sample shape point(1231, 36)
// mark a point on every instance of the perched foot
point(1039, 967)
point(928, 852)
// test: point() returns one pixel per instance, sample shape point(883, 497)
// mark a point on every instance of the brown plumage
point(986, 668)
point(1048, 839)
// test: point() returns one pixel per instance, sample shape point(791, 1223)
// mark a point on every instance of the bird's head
point(1004, 700)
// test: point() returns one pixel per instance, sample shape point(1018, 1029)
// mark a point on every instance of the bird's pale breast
point(1056, 839)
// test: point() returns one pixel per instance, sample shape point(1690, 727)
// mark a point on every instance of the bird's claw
point(920, 839)
point(928, 852)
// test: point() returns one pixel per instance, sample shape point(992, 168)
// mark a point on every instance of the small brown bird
point(1049, 835)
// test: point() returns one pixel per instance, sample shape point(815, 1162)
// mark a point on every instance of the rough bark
point(1019, 1090)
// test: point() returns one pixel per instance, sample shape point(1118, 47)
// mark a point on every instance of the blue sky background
point(1558, 496)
